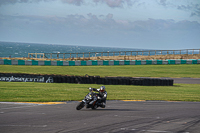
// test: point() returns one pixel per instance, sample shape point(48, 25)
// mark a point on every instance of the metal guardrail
point(114, 53)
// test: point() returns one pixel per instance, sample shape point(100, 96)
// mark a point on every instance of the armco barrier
point(14, 77)
point(98, 62)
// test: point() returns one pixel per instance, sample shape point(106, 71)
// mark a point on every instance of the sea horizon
point(21, 49)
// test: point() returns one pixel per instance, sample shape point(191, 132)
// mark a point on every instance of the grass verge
point(175, 71)
point(42, 92)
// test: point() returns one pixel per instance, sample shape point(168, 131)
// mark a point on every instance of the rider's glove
point(90, 89)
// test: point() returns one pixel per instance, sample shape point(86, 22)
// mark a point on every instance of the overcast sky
point(146, 24)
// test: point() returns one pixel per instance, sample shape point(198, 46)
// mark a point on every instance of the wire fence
point(108, 54)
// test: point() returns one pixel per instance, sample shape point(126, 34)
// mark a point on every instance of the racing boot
point(102, 105)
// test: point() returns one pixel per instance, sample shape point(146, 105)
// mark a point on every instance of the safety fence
point(87, 55)
point(13, 77)
point(98, 62)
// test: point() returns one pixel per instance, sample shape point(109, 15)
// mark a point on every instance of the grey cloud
point(194, 8)
point(196, 11)
point(109, 16)
point(104, 22)
point(116, 3)
point(189, 7)
point(183, 7)
point(91, 16)
point(12, 1)
point(21, 1)
point(162, 25)
point(163, 2)
point(75, 2)
point(92, 29)
point(110, 3)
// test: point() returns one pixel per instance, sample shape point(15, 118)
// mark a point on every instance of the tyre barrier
point(113, 80)
point(14, 77)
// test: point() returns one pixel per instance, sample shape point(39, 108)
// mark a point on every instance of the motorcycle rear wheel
point(80, 106)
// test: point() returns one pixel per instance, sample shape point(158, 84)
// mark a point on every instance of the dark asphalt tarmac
point(187, 80)
point(117, 117)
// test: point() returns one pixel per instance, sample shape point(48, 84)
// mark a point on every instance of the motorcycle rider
point(102, 95)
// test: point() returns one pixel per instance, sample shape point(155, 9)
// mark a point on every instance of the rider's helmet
point(102, 88)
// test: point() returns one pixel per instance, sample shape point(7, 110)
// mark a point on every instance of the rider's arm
point(93, 89)
point(104, 96)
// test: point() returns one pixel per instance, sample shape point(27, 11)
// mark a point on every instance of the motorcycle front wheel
point(80, 106)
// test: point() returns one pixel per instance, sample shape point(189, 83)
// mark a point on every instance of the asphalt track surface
point(117, 117)
point(187, 80)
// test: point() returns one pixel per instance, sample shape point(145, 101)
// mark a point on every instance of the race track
point(117, 117)
point(187, 80)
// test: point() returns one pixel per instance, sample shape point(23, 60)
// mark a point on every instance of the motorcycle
point(88, 98)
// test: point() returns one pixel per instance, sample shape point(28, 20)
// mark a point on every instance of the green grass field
point(46, 92)
point(192, 71)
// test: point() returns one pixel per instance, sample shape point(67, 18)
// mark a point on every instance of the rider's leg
point(93, 101)
point(103, 104)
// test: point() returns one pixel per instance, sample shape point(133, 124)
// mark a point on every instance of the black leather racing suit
point(103, 96)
